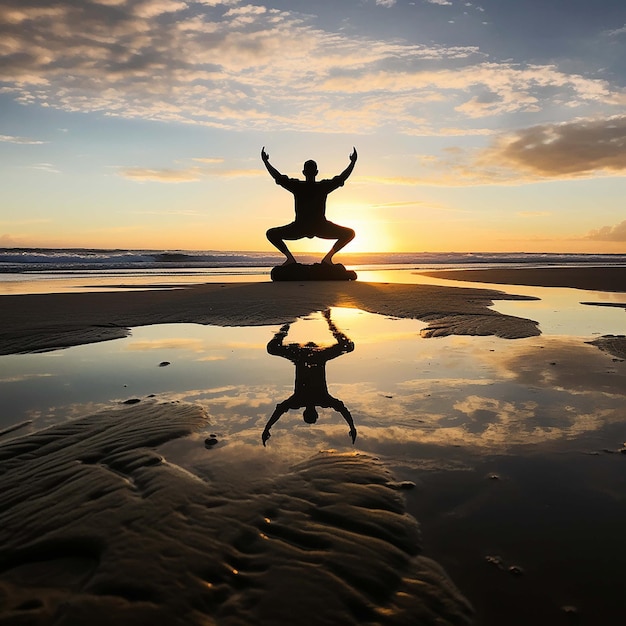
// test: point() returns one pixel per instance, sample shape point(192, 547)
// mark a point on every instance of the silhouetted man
point(310, 389)
point(310, 204)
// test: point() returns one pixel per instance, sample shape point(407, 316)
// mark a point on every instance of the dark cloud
point(566, 150)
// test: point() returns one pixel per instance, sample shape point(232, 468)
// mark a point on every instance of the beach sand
point(591, 278)
point(611, 279)
point(42, 322)
point(99, 524)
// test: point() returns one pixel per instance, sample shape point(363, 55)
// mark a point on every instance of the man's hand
point(352, 434)
point(266, 435)
point(353, 156)
point(264, 155)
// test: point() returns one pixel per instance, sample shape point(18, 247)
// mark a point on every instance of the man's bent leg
point(275, 237)
point(344, 236)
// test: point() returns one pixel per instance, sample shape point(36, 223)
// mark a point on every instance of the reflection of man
point(310, 389)
point(310, 204)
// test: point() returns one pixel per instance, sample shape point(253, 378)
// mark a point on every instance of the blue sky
point(480, 126)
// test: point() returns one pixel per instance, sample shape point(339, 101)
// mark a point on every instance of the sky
point(497, 125)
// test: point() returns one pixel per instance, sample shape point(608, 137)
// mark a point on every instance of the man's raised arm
point(279, 411)
point(344, 175)
point(265, 157)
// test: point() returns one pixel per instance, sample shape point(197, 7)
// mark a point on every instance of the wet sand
point(591, 278)
point(48, 321)
point(100, 524)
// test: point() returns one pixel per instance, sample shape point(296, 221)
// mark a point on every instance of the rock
point(164, 363)
point(316, 271)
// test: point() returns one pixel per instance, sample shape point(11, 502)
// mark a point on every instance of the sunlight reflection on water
point(481, 393)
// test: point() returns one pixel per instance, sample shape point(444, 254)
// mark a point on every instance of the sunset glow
point(480, 126)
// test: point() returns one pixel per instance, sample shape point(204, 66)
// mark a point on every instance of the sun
point(372, 233)
point(371, 236)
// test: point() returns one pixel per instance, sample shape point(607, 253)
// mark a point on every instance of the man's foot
point(327, 261)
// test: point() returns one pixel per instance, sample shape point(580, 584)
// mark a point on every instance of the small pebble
point(495, 560)
point(131, 401)
point(164, 363)
point(210, 441)
point(515, 570)
point(494, 477)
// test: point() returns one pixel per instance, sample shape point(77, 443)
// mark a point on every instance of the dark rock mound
point(316, 271)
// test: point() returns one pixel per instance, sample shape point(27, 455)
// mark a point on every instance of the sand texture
point(614, 345)
point(44, 322)
point(97, 527)
point(590, 278)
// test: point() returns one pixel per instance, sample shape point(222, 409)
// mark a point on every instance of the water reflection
point(310, 387)
point(479, 395)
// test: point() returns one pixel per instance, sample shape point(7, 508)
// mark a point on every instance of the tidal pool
point(514, 445)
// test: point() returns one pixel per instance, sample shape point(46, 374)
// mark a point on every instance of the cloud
point(210, 160)
point(609, 233)
point(233, 65)
point(385, 3)
point(412, 203)
point(440, 2)
point(617, 31)
point(183, 175)
point(21, 140)
point(565, 150)
point(46, 167)
point(143, 174)
point(8, 241)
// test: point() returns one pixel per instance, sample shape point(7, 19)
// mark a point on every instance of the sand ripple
point(97, 528)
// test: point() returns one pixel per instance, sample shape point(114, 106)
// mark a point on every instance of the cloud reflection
point(478, 395)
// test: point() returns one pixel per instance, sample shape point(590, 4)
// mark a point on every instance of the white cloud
point(209, 160)
point(21, 140)
point(46, 167)
point(184, 175)
point(143, 174)
point(234, 65)
point(617, 31)
point(154, 8)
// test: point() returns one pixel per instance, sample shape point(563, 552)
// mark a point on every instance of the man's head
point(310, 169)
point(310, 415)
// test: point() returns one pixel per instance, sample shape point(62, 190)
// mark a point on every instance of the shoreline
point(49, 321)
point(598, 278)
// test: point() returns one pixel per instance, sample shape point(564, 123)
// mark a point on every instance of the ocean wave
point(17, 260)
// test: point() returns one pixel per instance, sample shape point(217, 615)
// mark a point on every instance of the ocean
point(58, 270)
point(69, 260)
